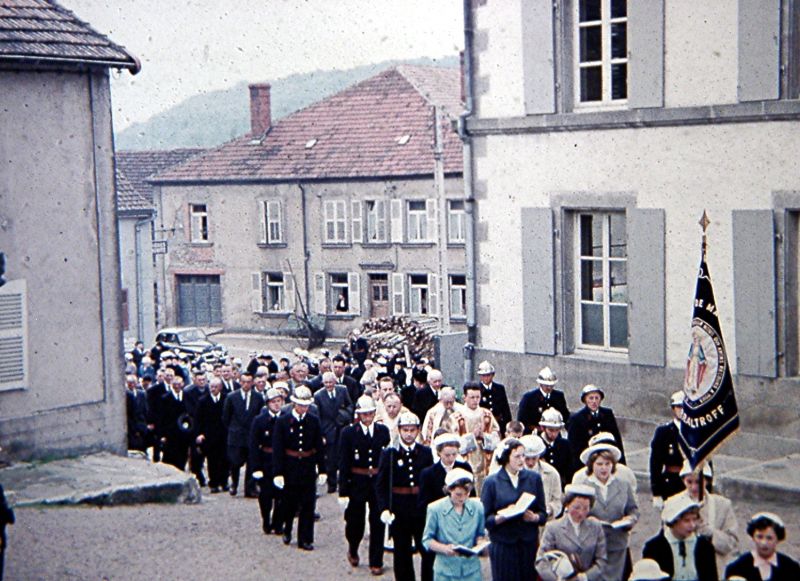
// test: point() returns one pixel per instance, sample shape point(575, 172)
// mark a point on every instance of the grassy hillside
point(212, 118)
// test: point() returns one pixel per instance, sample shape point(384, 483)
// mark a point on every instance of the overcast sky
point(187, 47)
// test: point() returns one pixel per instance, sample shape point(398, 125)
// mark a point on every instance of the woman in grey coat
point(582, 540)
point(614, 505)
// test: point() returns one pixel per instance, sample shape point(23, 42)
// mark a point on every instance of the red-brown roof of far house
point(134, 168)
point(41, 31)
point(381, 127)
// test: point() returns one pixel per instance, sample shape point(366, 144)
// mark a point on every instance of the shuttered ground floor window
point(199, 300)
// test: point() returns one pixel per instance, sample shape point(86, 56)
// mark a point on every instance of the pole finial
point(704, 222)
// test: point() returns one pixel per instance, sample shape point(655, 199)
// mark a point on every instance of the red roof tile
point(133, 168)
point(36, 31)
point(357, 133)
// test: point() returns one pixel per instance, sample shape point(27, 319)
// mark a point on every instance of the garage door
point(199, 300)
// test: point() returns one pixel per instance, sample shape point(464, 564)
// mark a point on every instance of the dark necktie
point(682, 551)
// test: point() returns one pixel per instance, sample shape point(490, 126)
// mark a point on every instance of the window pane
point(618, 290)
point(416, 206)
point(619, 235)
point(329, 231)
point(619, 326)
point(619, 8)
point(619, 41)
point(589, 10)
point(619, 81)
point(592, 324)
point(591, 44)
point(592, 280)
point(591, 84)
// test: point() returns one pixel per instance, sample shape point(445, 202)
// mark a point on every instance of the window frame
point(417, 223)
point(267, 286)
point(199, 231)
point(420, 292)
point(606, 62)
point(461, 289)
point(375, 216)
point(332, 292)
point(335, 213)
point(273, 218)
point(606, 261)
point(456, 219)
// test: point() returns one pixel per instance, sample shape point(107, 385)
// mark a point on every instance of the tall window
point(417, 219)
point(601, 270)
point(335, 224)
point(418, 293)
point(272, 222)
point(376, 221)
point(274, 293)
point(339, 300)
point(602, 55)
point(456, 222)
point(458, 296)
point(198, 228)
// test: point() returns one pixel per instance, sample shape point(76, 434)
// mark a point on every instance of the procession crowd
point(446, 473)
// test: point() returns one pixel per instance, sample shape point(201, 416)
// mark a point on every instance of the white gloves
point(343, 502)
point(321, 479)
point(387, 517)
point(658, 502)
point(278, 482)
point(258, 475)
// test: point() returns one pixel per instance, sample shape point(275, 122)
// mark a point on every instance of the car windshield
point(192, 335)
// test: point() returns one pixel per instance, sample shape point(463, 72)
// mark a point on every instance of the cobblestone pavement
point(221, 538)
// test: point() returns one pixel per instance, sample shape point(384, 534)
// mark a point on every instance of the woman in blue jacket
point(515, 539)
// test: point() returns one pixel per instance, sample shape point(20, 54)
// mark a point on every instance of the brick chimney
point(260, 113)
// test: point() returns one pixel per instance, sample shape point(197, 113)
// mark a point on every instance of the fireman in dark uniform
point(666, 458)
point(398, 489)
point(533, 403)
point(558, 452)
point(297, 458)
point(269, 499)
point(493, 396)
point(360, 450)
point(591, 419)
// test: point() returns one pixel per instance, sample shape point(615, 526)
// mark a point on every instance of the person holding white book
point(455, 530)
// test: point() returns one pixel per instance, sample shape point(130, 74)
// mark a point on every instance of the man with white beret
point(592, 419)
point(397, 488)
point(297, 459)
point(677, 549)
point(543, 397)
point(360, 450)
point(666, 458)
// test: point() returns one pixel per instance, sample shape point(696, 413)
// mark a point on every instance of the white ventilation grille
point(13, 335)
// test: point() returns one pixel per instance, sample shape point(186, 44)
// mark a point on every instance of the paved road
point(216, 539)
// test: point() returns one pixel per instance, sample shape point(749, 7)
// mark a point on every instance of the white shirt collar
point(367, 429)
point(407, 448)
point(297, 416)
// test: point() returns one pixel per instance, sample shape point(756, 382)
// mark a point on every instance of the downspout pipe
point(469, 194)
point(306, 254)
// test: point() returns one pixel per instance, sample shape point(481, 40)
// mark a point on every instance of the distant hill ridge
point(212, 118)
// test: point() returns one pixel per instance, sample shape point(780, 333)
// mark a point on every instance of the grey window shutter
point(754, 292)
point(538, 56)
point(759, 49)
point(646, 53)
point(646, 287)
point(538, 281)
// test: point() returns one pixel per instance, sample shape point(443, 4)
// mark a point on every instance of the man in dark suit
point(229, 383)
point(397, 489)
point(335, 412)
point(297, 460)
point(338, 365)
point(424, 395)
point(136, 410)
point(590, 420)
point(240, 409)
point(359, 452)
point(558, 452)
point(192, 394)
point(211, 434)
point(175, 426)
point(493, 396)
point(666, 458)
point(696, 558)
point(154, 394)
point(261, 433)
point(534, 402)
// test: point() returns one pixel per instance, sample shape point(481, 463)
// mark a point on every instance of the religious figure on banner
point(695, 365)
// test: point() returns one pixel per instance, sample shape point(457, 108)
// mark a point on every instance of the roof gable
point(41, 31)
point(380, 127)
point(134, 168)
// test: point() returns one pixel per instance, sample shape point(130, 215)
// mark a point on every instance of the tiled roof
point(381, 127)
point(42, 31)
point(133, 168)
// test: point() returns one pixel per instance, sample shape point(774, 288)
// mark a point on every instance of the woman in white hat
point(615, 505)
point(764, 562)
point(575, 536)
point(534, 448)
point(647, 570)
point(717, 520)
point(592, 419)
point(622, 472)
point(453, 523)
